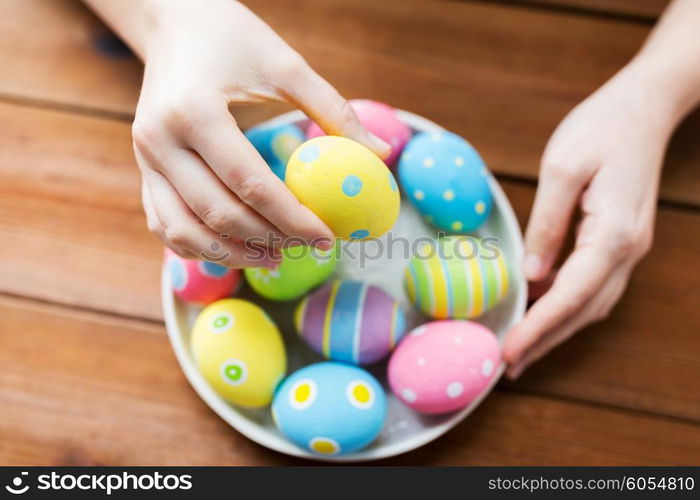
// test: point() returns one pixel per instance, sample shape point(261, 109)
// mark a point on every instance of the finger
point(595, 311)
point(155, 227)
point(536, 289)
point(580, 278)
point(211, 201)
point(324, 105)
point(239, 166)
point(181, 228)
point(558, 191)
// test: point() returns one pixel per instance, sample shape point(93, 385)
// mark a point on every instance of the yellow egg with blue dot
point(239, 351)
point(457, 277)
point(346, 185)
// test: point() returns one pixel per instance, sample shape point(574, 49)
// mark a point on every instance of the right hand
point(201, 177)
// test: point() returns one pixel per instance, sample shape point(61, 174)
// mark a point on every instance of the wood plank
point(70, 193)
point(50, 52)
point(73, 232)
point(643, 8)
point(82, 388)
point(502, 76)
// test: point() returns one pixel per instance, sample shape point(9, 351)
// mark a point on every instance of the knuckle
point(626, 239)
point(179, 116)
point(146, 131)
point(252, 191)
point(646, 242)
point(180, 252)
point(562, 171)
point(601, 314)
point(234, 260)
point(185, 113)
point(547, 230)
point(177, 236)
point(154, 227)
point(346, 116)
point(218, 219)
point(291, 67)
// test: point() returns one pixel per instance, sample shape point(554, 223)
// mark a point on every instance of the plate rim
point(252, 431)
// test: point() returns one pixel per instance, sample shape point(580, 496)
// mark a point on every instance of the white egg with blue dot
point(276, 144)
point(330, 408)
point(446, 180)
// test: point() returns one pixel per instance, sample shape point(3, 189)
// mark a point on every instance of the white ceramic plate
point(404, 429)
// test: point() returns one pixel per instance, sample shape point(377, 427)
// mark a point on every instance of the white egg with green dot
point(444, 177)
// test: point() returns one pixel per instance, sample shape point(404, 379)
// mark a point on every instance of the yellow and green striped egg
point(457, 277)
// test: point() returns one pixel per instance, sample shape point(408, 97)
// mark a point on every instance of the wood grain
point(502, 76)
point(70, 194)
point(74, 233)
point(643, 8)
point(49, 53)
point(80, 388)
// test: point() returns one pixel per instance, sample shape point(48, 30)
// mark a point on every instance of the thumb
point(324, 104)
point(558, 191)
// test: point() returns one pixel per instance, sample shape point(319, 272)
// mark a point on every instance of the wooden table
point(86, 372)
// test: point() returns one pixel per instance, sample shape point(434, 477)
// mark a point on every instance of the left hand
point(605, 157)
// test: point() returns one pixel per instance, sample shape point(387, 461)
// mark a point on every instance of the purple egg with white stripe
point(350, 321)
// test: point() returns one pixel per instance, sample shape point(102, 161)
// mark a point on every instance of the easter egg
point(443, 366)
point(350, 321)
point(275, 144)
point(379, 119)
point(446, 180)
point(457, 277)
point(346, 185)
point(239, 351)
point(200, 281)
point(330, 408)
point(302, 269)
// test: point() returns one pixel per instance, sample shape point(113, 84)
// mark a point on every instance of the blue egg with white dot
point(276, 144)
point(446, 180)
point(330, 408)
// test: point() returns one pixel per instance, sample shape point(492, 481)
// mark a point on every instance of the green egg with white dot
point(239, 350)
point(303, 268)
point(446, 180)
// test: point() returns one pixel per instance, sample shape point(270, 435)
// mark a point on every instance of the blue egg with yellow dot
point(330, 408)
point(446, 180)
point(276, 144)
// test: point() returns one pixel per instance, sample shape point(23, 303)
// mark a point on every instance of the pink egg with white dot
point(443, 366)
point(381, 120)
point(200, 281)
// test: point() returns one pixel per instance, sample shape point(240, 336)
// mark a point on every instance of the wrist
point(671, 95)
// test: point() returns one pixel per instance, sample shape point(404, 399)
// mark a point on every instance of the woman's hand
point(604, 158)
point(201, 177)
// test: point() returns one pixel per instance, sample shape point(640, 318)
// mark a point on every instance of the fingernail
point(382, 147)
point(514, 373)
point(271, 263)
point(533, 267)
point(324, 244)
